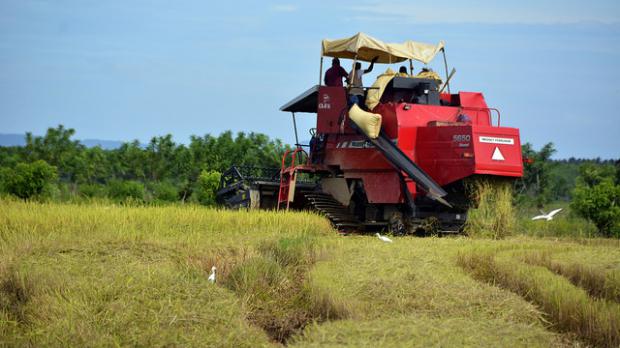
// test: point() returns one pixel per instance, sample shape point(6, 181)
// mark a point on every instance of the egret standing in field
point(212, 276)
point(547, 217)
point(384, 238)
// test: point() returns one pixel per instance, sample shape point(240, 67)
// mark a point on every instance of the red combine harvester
point(399, 162)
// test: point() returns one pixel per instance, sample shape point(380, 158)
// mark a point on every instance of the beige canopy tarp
point(367, 47)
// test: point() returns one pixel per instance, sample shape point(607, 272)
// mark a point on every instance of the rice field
point(109, 275)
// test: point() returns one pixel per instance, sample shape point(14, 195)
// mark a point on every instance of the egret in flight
point(547, 217)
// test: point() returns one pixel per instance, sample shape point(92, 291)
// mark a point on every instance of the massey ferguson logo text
point(325, 103)
point(496, 140)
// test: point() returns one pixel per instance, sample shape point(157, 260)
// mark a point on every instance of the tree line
point(161, 170)
point(546, 180)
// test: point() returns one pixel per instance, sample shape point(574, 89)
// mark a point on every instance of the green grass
point(565, 224)
point(107, 275)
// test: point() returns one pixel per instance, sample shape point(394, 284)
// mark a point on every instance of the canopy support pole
point(295, 128)
point(353, 71)
point(445, 63)
point(320, 73)
point(410, 67)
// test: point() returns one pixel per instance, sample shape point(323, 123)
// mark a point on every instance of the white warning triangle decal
point(497, 155)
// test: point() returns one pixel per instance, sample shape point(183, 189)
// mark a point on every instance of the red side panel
point(497, 151)
point(446, 152)
point(354, 153)
point(380, 187)
point(472, 99)
point(451, 153)
point(412, 116)
point(331, 102)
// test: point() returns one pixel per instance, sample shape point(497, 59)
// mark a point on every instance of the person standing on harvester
point(334, 75)
point(356, 92)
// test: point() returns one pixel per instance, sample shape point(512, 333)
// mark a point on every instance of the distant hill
point(20, 140)
point(105, 144)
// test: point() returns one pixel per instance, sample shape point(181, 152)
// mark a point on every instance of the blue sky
point(122, 70)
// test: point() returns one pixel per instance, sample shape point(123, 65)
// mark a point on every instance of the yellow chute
point(368, 122)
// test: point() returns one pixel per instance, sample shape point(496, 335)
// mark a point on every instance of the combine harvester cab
point(400, 161)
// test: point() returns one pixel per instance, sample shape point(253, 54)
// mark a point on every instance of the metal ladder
point(288, 176)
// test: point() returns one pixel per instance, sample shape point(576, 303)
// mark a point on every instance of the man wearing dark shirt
point(334, 75)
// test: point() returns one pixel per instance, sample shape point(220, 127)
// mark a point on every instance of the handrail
point(293, 154)
point(485, 109)
point(284, 159)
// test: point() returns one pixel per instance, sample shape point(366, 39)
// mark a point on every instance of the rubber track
point(338, 214)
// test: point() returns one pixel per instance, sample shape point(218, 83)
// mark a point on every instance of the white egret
point(212, 276)
point(547, 217)
point(384, 238)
